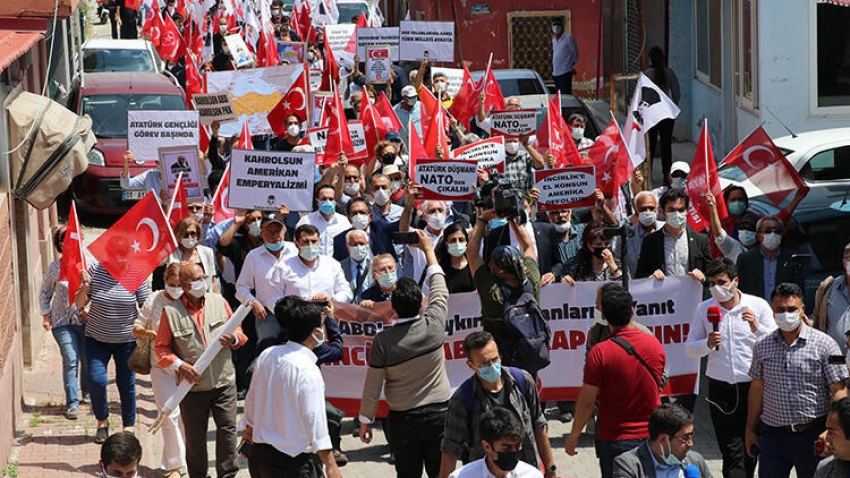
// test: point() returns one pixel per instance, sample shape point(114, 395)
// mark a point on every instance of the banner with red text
point(564, 188)
point(665, 307)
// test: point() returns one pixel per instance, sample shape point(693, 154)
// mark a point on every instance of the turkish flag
point(702, 179)
point(436, 133)
point(465, 95)
point(179, 207)
point(339, 137)
point(305, 22)
point(554, 136)
point(373, 126)
point(611, 158)
point(330, 69)
point(267, 54)
point(766, 167)
point(385, 109)
point(144, 235)
point(73, 259)
point(245, 137)
point(152, 22)
point(194, 82)
point(417, 150)
point(493, 98)
point(362, 22)
point(171, 46)
point(293, 102)
point(219, 200)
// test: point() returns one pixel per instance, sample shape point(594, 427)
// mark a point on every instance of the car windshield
point(117, 60)
point(350, 11)
point(521, 87)
point(109, 112)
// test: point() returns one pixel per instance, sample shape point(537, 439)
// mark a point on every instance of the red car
point(106, 97)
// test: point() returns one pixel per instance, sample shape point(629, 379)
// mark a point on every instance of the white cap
point(408, 91)
point(680, 166)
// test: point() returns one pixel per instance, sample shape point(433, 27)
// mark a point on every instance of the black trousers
point(417, 434)
point(245, 355)
point(267, 461)
point(564, 83)
point(195, 412)
point(128, 23)
point(113, 24)
point(664, 129)
point(729, 426)
point(335, 416)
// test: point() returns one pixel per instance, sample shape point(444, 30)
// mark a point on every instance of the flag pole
point(705, 152)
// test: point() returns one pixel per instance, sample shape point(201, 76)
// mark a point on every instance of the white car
point(103, 55)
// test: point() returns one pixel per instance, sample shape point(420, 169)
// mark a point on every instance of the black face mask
point(597, 251)
point(388, 158)
point(507, 460)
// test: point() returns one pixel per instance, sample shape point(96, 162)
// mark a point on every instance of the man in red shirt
point(626, 389)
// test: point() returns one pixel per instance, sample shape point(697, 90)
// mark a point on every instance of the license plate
point(132, 194)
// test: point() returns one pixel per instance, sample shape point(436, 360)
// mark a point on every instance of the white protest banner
point(253, 93)
point(338, 37)
point(214, 107)
point(514, 123)
point(379, 65)
point(453, 75)
point(564, 188)
point(432, 40)
point(665, 307)
point(174, 160)
point(264, 179)
point(149, 130)
point(293, 52)
point(367, 37)
point(446, 179)
point(315, 79)
point(239, 51)
point(318, 139)
point(489, 153)
point(358, 139)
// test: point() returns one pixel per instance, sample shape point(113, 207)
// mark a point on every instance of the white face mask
point(787, 321)
point(310, 56)
point(439, 87)
point(351, 189)
point(358, 253)
point(198, 216)
point(678, 183)
point(436, 221)
point(562, 228)
point(457, 249)
point(308, 253)
point(174, 292)
point(597, 317)
point(511, 147)
point(395, 186)
point(847, 268)
point(188, 242)
point(771, 241)
point(647, 218)
point(677, 219)
point(293, 130)
point(360, 221)
point(723, 293)
point(381, 197)
point(578, 133)
point(320, 339)
point(198, 289)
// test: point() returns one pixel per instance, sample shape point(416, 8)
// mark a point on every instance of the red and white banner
point(665, 307)
point(446, 179)
point(489, 153)
point(564, 188)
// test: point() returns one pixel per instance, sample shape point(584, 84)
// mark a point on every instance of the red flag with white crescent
point(701, 180)
point(73, 259)
point(142, 236)
point(295, 102)
point(219, 200)
point(179, 207)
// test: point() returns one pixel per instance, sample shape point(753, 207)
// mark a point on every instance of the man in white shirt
point(501, 436)
point(312, 275)
point(285, 407)
point(328, 222)
point(258, 272)
point(744, 319)
point(434, 215)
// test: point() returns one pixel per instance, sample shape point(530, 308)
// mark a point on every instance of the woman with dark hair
point(665, 78)
point(594, 261)
point(451, 254)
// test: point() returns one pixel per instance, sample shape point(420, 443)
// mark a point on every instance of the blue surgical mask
point(327, 207)
point(308, 253)
point(678, 183)
point(747, 238)
point(491, 374)
point(736, 207)
point(498, 222)
point(671, 459)
point(274, 246)
point(387, 280)
point(457, 249)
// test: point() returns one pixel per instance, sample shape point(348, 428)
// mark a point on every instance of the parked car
point(101, 55)
point(350, 9)
point(106, 97)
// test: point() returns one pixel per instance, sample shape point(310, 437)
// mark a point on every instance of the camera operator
point(507, 271)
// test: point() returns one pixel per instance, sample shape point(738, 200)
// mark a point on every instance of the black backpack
point(527, 347)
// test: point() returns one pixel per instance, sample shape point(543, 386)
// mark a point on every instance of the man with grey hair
point(578, 122)
point(434, 213)
point(357, 267)
point(769, 264)
point(832, 304)
point(646, 209)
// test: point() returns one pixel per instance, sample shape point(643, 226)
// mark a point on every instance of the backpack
point(469, 398)
point(527, 347)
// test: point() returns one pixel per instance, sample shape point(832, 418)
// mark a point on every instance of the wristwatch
point(552, 469)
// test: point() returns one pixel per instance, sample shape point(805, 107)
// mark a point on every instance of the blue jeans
point(606, 451)
point(783, 449)
point(98, 355)
point(70, 340)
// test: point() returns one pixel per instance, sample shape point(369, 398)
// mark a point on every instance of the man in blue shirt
point(408, 111)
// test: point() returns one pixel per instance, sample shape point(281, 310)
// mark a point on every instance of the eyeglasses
point(352, 178)
point(196, 207)
point(769, 230)
point(191, 233)
point(685, 439)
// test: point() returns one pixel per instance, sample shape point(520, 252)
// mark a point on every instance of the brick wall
point(8, 319)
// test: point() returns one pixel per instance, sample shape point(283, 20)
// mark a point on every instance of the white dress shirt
point(328, 230)
point(150, 180)
point(259, 272)
point(325, 276)
point(478, 469)
point(418, 260)
point(286, 401)
point(730, 364)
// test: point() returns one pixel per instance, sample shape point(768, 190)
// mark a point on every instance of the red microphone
point(714, 315)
